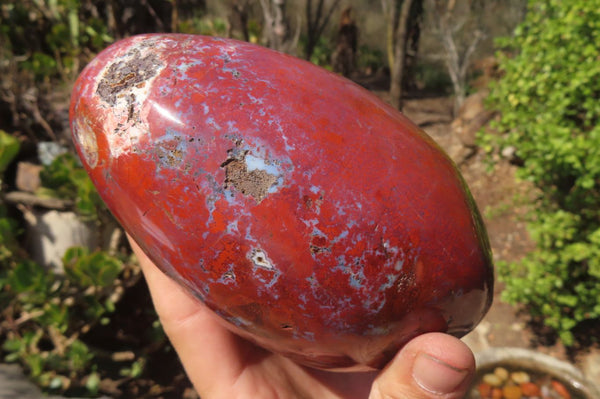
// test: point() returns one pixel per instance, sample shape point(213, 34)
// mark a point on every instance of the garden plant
point(550, 113)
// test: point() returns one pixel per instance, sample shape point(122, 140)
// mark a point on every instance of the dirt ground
point(501, 198)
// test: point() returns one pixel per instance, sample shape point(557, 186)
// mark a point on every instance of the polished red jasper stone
point(313, 218)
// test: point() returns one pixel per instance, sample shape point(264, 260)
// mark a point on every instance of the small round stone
point(485, 390)
point(560, 389)
point(497, 393)
point(511, 392)
point(492, 379)
point(520, 377)
point(501, 373)
point(530, 389)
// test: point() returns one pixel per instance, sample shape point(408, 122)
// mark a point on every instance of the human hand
point(222, 365)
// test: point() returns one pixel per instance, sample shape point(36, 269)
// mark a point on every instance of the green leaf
point(12, 357)
point(98, 268)
point(65, 178)
point(28, 276)
point(35, 363)
point(109, 305)
point(56, 315)
point(79, 355)
point(9, 148)
point(13, 345)
point(55, 383)
point(92, 383)
point(73, 254)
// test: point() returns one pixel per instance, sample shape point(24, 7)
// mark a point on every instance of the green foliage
point(433, 77)
point(8, 242)
point(203, 25)
point(47, 315)
point(40, 65)
point(370, 59)
point(9, 248)
point(65, 178)
point(9, 148)
point(91, 270)
point(136, 369)
point(43, 46)
point(321, 53)
point(62, 29)
point(51, 311)
point(549, 101)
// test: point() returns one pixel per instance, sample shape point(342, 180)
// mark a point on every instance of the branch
point(26, 316)
point(479, 35)
point(293, 43)
point(30, 100)
point(264, 4)
point(328, 14)
point(459, 25)
point(153, 14)
point(309, 21)
point(277, 27)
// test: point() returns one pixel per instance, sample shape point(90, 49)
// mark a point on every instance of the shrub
point(65, 178)
point(47, 313)
point(48, 318)
point(549, 101)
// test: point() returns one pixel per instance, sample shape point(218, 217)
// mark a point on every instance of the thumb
point(432, 365)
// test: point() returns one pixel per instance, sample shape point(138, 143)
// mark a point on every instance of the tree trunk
point(316, 22)
point(458, 66)
point(390, 13)
point(238, 19)
point(174, 16)
point(397, 68)
point(457, 57)
point(277, 28)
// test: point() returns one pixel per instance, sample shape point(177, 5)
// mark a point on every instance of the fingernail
point(436, 376)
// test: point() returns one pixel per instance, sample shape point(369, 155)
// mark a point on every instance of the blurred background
point(509, 88)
